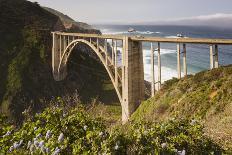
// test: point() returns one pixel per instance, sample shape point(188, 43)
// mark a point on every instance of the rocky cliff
point(25, 60)
point(72, 25)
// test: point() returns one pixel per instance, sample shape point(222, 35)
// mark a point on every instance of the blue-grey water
point(197, 55)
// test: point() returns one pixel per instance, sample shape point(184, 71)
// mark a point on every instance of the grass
point(111, 114)
point(207, 95)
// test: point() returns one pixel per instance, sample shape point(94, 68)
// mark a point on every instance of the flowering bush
point(59, 131)
point(176, 136)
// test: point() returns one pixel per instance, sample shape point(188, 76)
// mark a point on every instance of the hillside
point(206, 96)
point(72, 25)
point(26, 80)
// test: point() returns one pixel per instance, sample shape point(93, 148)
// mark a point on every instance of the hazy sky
point(129, 11)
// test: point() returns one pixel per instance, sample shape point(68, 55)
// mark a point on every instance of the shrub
point(60, 130)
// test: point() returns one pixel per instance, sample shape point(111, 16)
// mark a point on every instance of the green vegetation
point(25, 54)
point(64, 130)
point(191, 115)
point(206, 95)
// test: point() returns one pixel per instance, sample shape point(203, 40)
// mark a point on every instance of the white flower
point(32, 148)
point(11, 149)
point(7, 134)
point(183, 152)
point(29, 144)
point(64, 114)
point(43, 149)
point(101, 134)
point(39, 135)
point(16, 145)
point(41, 144)
point(116, 147)
point(61, 138)
point(193, 122)
point(57, 151)
point(164, 145)
point(36, 143)
point(47, 150)
point(85, 127)
point(35, 128)
point(48, 134)
point(21, 142)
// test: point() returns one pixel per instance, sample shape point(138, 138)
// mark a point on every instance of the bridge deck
point(153, 39)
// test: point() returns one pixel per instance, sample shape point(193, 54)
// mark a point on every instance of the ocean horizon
point(197, 55)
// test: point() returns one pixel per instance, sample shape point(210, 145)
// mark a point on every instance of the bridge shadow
point(88, 76)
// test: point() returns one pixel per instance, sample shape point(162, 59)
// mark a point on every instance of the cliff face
point(25, 60)
point(72, 25)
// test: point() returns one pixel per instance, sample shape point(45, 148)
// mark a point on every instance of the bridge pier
point(132, 77)
point(214, 56)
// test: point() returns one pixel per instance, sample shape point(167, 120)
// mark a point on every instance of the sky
point(138, 11)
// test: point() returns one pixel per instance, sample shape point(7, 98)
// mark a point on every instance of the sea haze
point(197, 55)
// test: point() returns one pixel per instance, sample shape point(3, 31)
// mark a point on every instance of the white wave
point(126, 32)
point(166, 74)
point(172, 37)
point(175, 37)
point(115, 33)
point(105, 31)
point(144, 32)
point(147, 52)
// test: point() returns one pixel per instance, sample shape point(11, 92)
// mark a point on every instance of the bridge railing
point(213, 54)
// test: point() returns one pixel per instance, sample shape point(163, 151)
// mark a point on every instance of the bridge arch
point(128, 79)
point(62, 67)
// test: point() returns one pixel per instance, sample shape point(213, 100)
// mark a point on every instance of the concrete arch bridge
point(126, 74)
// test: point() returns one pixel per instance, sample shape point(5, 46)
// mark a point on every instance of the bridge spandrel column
point(55, 56)
point(133, 80)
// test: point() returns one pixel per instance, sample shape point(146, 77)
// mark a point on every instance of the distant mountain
point(70, 24)
point(214, 20)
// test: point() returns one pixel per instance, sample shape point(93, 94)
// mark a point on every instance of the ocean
point(197, 55)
